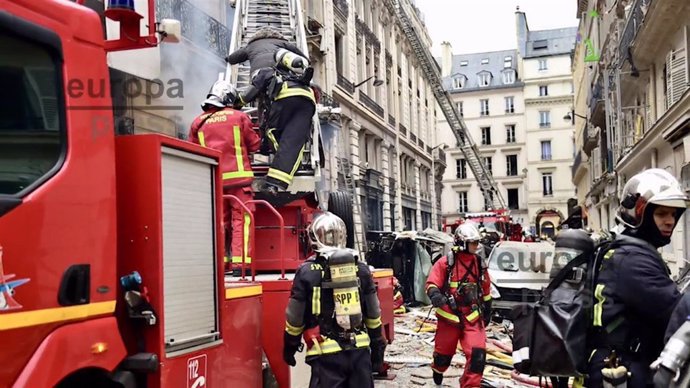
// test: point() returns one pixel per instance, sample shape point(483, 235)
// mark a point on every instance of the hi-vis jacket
point(229, 131)
point(465, 272)
point(310, 310)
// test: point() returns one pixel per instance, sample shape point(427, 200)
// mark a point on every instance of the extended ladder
point(492, 196)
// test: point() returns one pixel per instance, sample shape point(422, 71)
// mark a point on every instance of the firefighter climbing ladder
point(286, 16)
point(492, 196)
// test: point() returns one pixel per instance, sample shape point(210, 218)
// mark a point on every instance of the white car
point(520, 271)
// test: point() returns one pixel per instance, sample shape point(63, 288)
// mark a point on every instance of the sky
point(473, 26)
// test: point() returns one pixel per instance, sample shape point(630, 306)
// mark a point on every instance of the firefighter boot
point(438, 379)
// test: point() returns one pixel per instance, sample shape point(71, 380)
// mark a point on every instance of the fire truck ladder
point(492, 196)
point(286, 16)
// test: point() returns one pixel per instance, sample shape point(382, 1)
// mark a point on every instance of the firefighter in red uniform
point(460, 288)
point(231, 132)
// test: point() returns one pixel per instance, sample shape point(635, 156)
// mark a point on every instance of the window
point(488, 163)
point(486, 135)
point(459, 82)
point(547, 183)
point(339, 53)
point(507, 62)
point(463, 63)
point(544, 119)
point(513, 199)
point(542, 64)
point(483, 107)
point(508, 76)
point(511, 165)
point(546, 150)
point(510, 105)
point(543, 91)
point(540, 44)
point(485, 61)
point(484, 79)
point(461, 168)
point(32, 132)
point(459, 107)
point(510, 133)
point(462, 202)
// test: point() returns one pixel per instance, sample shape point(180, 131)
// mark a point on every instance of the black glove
point(437, 298)
point(290, 347)
point(378, 348)
point(486, 312)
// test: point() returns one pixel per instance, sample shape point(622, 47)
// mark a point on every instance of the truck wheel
point(340, 204)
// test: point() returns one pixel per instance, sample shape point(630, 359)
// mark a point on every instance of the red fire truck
point(498, 221)
point(111, 247)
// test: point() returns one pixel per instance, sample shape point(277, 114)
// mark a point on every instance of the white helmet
point(327, 231)
point(654, 186)
point(465, 233)
point(222, 94)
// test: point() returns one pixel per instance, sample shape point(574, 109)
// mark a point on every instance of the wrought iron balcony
point(576, 163)
point(342, 7)
point(403, 129)
point(632, 25)
point(591, 140)
point(391, 120)
point(441, 155)
point(371, 104)
point(346, 84)
point(413, 137)
point(327, 100)
point(596, 105)
point(200, 28)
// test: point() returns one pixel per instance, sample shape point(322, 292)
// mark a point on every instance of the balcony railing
point(441, 154)
point(391, 120)
point(544, 125)
point(413, 137)
point(403, 129)
point(632, 25)
point(346, 84)
point(200, 28)
point(327, 100)
point(371, 104)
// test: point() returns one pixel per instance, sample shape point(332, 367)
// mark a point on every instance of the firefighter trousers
point(237, 224)
point(472, 338)
point(345, 369)
point(290, 125)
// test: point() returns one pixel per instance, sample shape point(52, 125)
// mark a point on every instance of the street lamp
point(377, 81)
point(568, 116)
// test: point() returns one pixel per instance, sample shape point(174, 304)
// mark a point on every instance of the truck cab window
point(31, 133)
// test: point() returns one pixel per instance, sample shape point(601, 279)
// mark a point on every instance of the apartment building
point(488, 93)
point(387, 121)
point(545, 64)
point(513, 103)
point(633, 104)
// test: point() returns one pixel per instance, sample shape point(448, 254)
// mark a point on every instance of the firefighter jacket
point(261, 53)
point(634, 297)
point(231, 132)
point(311, 310)
point(467, 281)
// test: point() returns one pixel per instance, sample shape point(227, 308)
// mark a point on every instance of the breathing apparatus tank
point(291, 61)
point(342, 266)
point(571, 243)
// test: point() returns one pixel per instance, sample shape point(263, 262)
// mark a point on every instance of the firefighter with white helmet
point(333, 305)
point(460, 288)
point(634, 295)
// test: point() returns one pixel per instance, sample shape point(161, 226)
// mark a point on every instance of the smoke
point(193, 61)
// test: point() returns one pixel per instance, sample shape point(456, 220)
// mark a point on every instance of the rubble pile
point(411, 352)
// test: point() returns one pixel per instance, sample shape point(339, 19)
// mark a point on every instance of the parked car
point(519, 271)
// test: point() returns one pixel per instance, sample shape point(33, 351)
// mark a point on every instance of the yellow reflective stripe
point(238, 174)
point(238, 147)
point(272, 138)
point(328, 346)
point(238, 260)
point(382, 273)
point(362, 340)
point(57, 314)
point(286, 91)
point(202, 141)
point(279, 175)
point(226, 259)
point(316, 301)
point(486, 298)
point(451, 317)
point(599, 306)
point(236, 292)
point(298, 161)
point(473, 316)
point(247, 224)
point(372, 323)
point(453, 284)
point(609, 254)
point(293, 330)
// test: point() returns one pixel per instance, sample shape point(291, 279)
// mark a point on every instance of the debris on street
point(411, 352)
